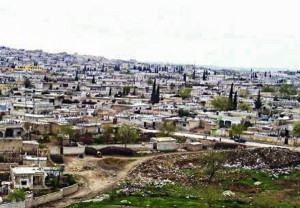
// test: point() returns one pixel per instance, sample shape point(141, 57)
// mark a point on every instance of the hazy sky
point(231, 33)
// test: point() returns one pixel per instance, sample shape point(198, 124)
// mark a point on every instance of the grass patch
point(282, 191)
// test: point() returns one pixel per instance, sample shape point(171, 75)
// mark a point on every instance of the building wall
point(272, 140)
point(17, 181)
point(42, 128)
point(15, 144)
point(166, 145)
point(30, 148)
point(36, 201)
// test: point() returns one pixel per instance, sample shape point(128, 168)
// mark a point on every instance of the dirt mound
point(113, 163)
point(113, 150)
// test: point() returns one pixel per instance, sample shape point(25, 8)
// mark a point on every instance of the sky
point(231, 33)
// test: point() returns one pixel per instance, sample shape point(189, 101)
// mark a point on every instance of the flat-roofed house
point(28, 177)
point(163, 143)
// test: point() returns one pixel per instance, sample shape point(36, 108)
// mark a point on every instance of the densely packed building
point(74, 98)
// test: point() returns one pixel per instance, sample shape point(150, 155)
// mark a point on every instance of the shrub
point(17, 195)
point(244, 106)
point(221, 103)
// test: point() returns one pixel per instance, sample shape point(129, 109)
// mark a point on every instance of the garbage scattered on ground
point(179, 167)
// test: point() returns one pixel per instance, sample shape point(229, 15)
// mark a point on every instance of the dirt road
point(96, 175)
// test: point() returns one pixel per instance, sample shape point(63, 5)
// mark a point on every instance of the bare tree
point(212, 162)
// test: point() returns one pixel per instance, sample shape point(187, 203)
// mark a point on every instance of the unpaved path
point(105, 175)
point(106, 172)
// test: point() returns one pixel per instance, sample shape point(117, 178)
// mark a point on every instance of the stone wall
point(70, 189)
point(73, 150)
point(13, 205)
point(271, 140)
point(48, 198)
point(36, 201)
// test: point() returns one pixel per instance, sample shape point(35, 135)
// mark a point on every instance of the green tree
point(166, 129)
point(126, 90)
point(244, 106)
point(153, 92)
point(243, 93)
point(268, 88)
point(94, 80)
point(46, 79)
point(257, 102)
point(234, 103)
point(221, 103)
point(108, 132)
point(68, 130)
point(157, 95)
point(127, 133)
point(204, 76)
point(296, 129)
point(194, 74)
point(183, 113)
point(61, 171)
point(237, 130)
point(76, 76)
point(212, 162)
point(17, 195)
point(109, 94)
point(185, 92)
point(134, 91)
point(149, 81)
point(286, 90)
point(27, 83)
point(230, 97)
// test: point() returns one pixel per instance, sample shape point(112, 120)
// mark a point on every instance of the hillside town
point(73, 126)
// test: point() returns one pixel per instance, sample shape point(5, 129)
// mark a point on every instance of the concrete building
point(163, 143)
point(27, 177)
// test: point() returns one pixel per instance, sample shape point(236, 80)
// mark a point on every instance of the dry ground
point(95, 175)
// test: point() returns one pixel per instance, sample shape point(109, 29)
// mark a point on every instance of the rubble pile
point(263, 158)
point(181, 167)
point(172, 167)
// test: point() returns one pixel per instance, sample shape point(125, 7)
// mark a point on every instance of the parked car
point(240, 140)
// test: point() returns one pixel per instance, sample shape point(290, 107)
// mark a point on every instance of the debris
point(257, 183)
point(228, 193)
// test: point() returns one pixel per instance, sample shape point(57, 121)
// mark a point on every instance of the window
point(23, 182)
